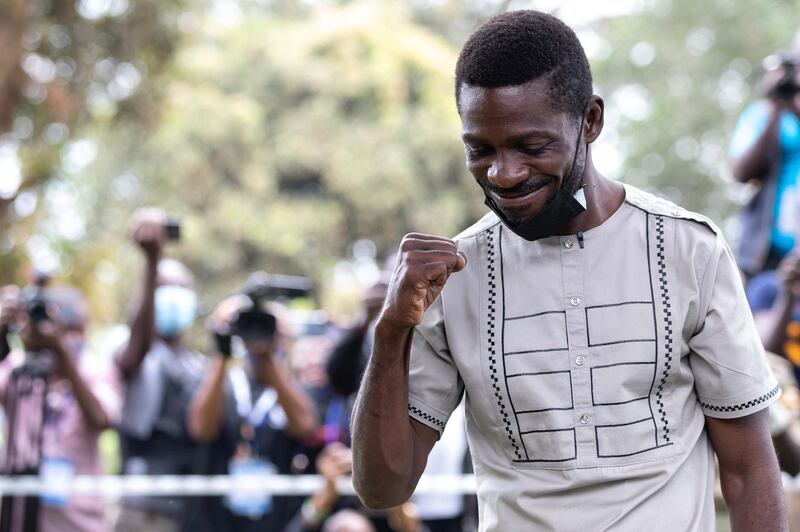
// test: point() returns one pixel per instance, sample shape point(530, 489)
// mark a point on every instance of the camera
point(255, 323)
point(36, 307)
point(33, 298)
point(172, 229)
point(788, 86)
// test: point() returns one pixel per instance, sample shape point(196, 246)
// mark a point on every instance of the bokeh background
point(307, 136)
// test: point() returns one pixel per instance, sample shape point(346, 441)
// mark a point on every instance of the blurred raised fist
point(336, 460)
point(424, 263)
point(219, 321)
point(147, 231)
point(789, 272)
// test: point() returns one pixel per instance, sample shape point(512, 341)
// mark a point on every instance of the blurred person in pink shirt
point(83, 398)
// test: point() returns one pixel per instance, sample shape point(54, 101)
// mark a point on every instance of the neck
point(603, 198)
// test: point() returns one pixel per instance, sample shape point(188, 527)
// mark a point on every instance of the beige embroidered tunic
point(588, 366)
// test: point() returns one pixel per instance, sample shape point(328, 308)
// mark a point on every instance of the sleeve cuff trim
point(730, 409)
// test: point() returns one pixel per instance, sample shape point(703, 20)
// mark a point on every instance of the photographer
point(161, 376)
point(54, 431)
point(766, 151)
point(254, 412)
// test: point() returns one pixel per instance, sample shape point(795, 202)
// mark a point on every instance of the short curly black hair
point(520, 46)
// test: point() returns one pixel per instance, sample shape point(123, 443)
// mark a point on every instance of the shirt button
point(575, 301)
point(580, 360)
point(585, 419)
point(569, 244)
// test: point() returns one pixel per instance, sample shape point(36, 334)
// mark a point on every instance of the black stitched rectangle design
point(603, 323)
point(617, 384)
point(557, 445)
point(624, 439)
point(540, 392)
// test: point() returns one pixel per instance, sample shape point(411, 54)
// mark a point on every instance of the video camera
point(255, 322)
point(33, 298)
point(788, 86)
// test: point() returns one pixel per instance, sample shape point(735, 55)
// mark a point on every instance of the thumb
point(461, 262)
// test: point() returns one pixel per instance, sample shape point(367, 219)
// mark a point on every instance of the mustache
point(521, 188)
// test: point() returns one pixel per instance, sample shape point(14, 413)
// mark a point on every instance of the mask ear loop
point(578, 142)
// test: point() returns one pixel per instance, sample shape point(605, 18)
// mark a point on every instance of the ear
point(593, 121)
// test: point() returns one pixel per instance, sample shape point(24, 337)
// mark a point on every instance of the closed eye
point(537, 149)
point(476, 152)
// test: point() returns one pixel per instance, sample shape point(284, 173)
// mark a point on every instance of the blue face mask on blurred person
point(176, 308)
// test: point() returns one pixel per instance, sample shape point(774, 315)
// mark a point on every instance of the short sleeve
point(749, 127)
point(731, 371)
point(435, 386)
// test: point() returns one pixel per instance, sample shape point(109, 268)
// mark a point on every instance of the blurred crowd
point(272, 393)
point(765, 153)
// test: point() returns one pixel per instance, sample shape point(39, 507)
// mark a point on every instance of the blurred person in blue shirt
point(765, 150)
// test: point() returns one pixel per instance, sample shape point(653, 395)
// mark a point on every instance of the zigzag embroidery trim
point(427, 417)
point(662, 281)
point(743, 406)
point(492, 309)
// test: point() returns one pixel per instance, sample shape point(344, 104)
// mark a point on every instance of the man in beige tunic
point(599, 336)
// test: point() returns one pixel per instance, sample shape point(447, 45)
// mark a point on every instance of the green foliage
point(283, 141)
point(65, 65)
point(283, 138)
point(705, 63)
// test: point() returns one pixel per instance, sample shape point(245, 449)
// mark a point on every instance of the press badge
point(56, 475)
point(247, 472)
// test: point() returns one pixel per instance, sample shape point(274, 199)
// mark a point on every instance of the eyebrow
point(547, 136)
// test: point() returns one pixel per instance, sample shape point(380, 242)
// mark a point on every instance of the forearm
point(755, 162)
point(300, 414)
point(383, 437)
point(206, 408)
point(91, 408)
point(143, 322)
point(773, 323)
point(755, 499)
point(748, 471)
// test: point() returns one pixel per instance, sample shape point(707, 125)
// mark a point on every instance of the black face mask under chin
point(560, 210)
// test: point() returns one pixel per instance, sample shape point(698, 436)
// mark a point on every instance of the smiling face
point(519, 148)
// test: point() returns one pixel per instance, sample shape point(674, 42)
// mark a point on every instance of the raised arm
point(389, 448)
point(772, 322)
point(47, 335)
point(755, 162)
point(749, 474)
point(148, 234)
point(204, 417)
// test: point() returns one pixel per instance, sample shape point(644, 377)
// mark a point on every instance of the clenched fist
point(424, 263)
point(147, 231)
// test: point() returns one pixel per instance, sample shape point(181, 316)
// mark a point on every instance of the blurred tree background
point(306, 137)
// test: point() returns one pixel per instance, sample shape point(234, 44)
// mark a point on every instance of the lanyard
point(254, 414)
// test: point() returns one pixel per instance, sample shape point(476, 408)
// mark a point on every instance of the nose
point(505, 171)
